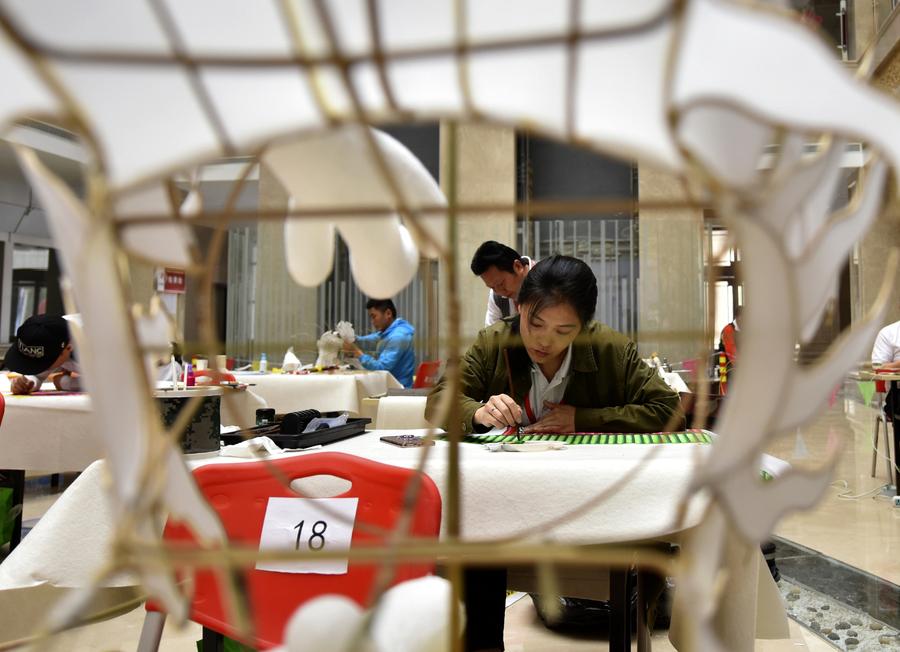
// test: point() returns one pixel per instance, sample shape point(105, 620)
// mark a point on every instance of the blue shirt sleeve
point(368, 342)
point(394, 347)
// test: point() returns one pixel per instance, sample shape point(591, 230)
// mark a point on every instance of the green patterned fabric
point(576, 439)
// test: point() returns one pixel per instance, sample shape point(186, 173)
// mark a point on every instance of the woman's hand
point(500, 411)
point(559, 418)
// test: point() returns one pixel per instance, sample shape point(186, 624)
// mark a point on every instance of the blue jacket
point(394, 351)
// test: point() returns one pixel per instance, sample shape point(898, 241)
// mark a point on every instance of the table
point(55, 433)
point(893, 379)
point(503, 494)
point(341, 391)
point(675, 381)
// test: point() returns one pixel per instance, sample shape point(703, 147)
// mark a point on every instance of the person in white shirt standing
point(886, 352)
point(886, 357)
point(43, 350)
point(502, 269)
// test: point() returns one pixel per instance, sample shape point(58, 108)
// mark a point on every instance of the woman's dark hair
point(494, 254)
point(382, 305)
point(560, 279)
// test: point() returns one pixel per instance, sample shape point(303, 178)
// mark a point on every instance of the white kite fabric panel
point(154, 88)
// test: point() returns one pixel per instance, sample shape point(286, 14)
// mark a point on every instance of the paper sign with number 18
point(308, 525)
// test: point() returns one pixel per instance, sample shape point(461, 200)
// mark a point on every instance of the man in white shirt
point(43, 349)
point(886, 357)
point(886, 352)
point(502, 269)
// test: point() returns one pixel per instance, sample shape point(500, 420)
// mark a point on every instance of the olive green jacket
point(611, 388)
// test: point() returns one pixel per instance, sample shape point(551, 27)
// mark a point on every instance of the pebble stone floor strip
point(842, 626)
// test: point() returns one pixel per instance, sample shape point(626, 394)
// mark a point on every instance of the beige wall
point(486, 173)
point(671, 314)
point(285, 311)
point(143, 287)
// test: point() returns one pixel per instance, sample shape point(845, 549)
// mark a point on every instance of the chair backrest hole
point(321, 486)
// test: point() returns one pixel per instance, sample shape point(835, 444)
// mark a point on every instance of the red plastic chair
point(239, 493)
point(427, 374)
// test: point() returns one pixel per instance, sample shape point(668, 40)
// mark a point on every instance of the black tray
point(353, 427)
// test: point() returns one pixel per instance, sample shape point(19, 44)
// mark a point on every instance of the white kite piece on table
point(330, 345)
point(345, 330)
point(291, 362)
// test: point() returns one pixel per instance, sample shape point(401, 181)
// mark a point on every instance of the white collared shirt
point(887, 344)
point(546, 390)
point(493, 314)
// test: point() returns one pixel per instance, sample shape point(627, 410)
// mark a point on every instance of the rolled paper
point(330, 622)
point(414, 616)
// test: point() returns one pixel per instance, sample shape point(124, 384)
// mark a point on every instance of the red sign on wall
point(171, 279)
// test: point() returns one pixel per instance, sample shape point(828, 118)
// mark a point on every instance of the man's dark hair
point(382, 305)
point(494, 254)
point(560, 279)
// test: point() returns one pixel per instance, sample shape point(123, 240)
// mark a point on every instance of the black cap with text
point(39, 342)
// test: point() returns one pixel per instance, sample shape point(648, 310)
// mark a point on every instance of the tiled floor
point(853, 525)
point(862, 532)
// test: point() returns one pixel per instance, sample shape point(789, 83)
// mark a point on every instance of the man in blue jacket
point(392, 342)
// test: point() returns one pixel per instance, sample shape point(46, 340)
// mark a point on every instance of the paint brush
point(509, 380)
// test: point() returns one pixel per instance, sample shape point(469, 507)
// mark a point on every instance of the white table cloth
point(503, 494)
point(50, 433)
point(326, 392)
point(55, 433)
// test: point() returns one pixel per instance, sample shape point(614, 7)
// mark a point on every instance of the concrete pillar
point(868, 275)
point(873, 250)
point(862, 27)
point(671, 302)
point(486, 173)
point(286, 313)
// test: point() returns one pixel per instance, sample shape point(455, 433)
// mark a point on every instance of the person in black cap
point(42, 349)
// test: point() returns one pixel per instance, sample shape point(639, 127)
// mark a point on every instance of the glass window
point(35, 278)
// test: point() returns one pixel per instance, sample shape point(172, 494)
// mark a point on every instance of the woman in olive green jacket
point(555, 370)
point(565, 373)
